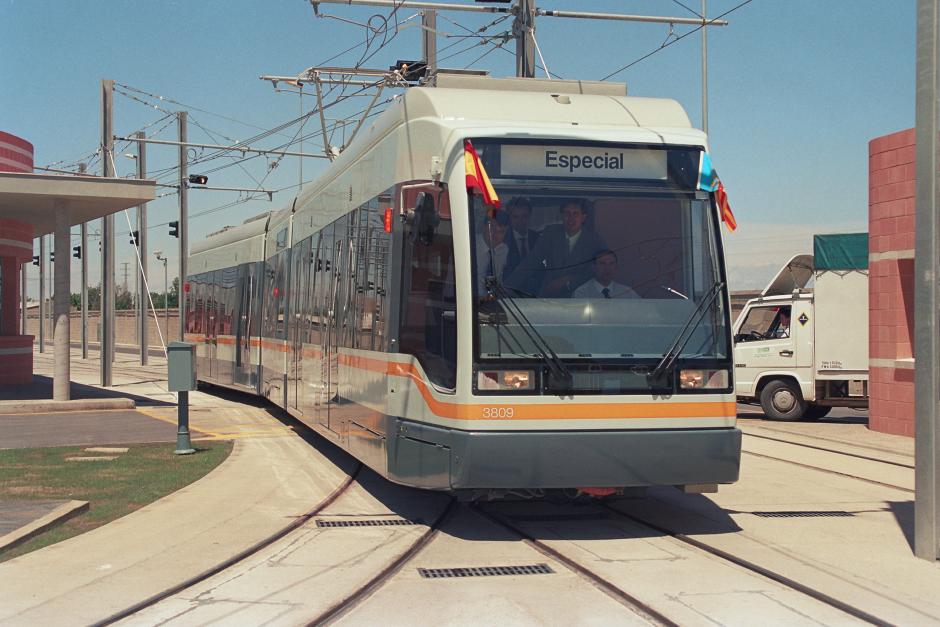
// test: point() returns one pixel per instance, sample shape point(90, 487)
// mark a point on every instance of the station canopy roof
point(35, 198)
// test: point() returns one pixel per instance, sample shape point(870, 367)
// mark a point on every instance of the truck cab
point(799, 352)
point(774, 339)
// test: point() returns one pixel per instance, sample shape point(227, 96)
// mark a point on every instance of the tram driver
point(603, 285)
point(561, 259)
point(492, 250)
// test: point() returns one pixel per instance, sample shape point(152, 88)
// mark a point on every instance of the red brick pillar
point(891, 174)
point(16, 248)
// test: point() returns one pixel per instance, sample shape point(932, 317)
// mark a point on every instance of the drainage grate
point(833, 514)
point(384, 522)
point(485, 571)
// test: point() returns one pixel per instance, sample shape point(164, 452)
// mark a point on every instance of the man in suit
point(520, 238)
point(562, 258)
point(492, 253)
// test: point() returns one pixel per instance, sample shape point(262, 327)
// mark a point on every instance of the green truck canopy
point(845, 251)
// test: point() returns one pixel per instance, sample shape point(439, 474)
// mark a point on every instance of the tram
point(576, 337)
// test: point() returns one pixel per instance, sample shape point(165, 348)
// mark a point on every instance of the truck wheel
point(782, 400)
point(815, 412)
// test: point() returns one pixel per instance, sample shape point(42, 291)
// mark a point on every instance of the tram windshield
point(597, 268)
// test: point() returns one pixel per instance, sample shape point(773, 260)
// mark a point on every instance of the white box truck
point(800, 352)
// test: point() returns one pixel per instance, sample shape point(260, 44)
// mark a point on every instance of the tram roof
point(492, 102)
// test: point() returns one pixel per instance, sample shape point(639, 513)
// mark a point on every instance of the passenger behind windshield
point(561, 259)
point(603, 285)
point(493, 254)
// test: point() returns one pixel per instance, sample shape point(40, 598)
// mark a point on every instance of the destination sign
point(582, 162)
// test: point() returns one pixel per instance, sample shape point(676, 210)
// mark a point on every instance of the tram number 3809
point(497, 412)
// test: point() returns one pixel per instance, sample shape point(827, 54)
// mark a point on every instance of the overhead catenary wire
point(668, 43)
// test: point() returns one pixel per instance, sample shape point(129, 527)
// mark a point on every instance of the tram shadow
point(661, 511)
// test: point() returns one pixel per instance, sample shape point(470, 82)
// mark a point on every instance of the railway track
point(740, 562)
point(610, 588)
point(291, 527)
point(832, 450)
point(350, 601)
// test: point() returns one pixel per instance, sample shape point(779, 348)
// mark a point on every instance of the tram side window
point(429, 309)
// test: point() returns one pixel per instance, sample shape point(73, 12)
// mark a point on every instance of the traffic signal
point(135, 238)
point(77, 252)
point(174, 228)
point(198, 179)
point(35, 260)
point(52, 256)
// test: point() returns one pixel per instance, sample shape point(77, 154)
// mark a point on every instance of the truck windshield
point(600, 271)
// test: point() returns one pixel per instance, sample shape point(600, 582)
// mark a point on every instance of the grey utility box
point(181, 366)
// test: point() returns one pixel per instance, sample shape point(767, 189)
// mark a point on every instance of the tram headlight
point(506, 380)
point(703, 379)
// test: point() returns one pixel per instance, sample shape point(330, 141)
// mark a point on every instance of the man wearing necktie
point(602, 285)
point(492, 251)
point(561, 259)
point(520, 238)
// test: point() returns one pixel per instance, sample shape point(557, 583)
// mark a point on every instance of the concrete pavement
point(861, 557)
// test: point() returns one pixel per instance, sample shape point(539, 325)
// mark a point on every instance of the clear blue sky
point(797, 89)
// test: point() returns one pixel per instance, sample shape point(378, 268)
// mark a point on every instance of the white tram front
point(576, 337)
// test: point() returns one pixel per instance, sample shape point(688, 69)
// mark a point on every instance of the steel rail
point(610, 589)
point(830, 450)
point(238, 557)
point(764, 427)
point(831, 601)
point(352, 600)
point(832, 472)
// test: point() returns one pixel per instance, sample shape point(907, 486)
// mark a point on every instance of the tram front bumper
point(438, 458)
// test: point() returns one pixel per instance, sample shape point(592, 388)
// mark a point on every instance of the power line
point(667, 43)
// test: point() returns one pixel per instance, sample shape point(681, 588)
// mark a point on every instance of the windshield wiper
point(560, 375)
point(670, 356)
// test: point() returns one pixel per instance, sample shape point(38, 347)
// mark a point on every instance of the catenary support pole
point(927, 290)
point(23, 298)
point(83, 248)
point(61, 336)
point(429, 40)
point(107, 238)
point(42, 293)
point(142, 297)
point(704, 69)
point(184, 225)
point(523, 28)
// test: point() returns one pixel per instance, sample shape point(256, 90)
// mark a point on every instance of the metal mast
point(107, 237)
point(184, 224)
point(927, 290)
point(523, 28)
point(143, 297)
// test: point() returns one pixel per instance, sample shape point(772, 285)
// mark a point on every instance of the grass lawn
point(113, 488)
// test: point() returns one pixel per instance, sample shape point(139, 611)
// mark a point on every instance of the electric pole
point(143, 291)
point(83, 251)
point(125, 264)
point(42, 293)
point(429, 40)
point(107, 237)
point(523, 27)
point(184, 224)
point(704, 71)
point(926, 289)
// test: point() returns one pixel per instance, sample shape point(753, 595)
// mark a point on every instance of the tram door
point(211, 293)
point(337, 322)
point(242, 329)
point(325, 293)
point(297, 292)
